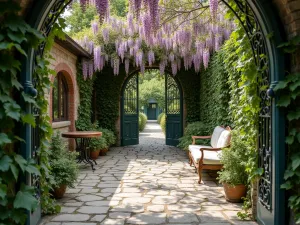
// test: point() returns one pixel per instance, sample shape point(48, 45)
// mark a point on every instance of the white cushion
point(224, 139)
point(197, 147)
point(215, 136)
point(210, 157)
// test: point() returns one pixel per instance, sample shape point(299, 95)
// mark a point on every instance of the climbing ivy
point(190, 84)
point(16, 198)
point(107, 97)
point(85, 87)
point(288, 91)
point(214, 93)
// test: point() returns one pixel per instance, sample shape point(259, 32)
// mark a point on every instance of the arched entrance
point(130, 110)
point(263, 30)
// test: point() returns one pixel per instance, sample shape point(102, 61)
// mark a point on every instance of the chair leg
point(190, 159)
point(200, 173)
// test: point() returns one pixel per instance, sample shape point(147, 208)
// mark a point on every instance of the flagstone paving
point(149, 183)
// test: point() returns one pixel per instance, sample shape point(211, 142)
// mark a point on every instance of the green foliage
point(159, 117)
point(107, 103)
point(108, 135)
point(194, 129)
point(288, 91)
point(190, 83)
point(229, 96)
point(142, 121)
point(63, 163)
point(214, 93)
point(152, 88)
point(234, 170)
point(119, 7)
point(163, 122)
point(78, 19)
point(83, 122)
point(15, 34)
point(98, 143)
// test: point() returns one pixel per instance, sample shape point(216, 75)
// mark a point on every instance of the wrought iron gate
point(173, 98)
point(130, 112)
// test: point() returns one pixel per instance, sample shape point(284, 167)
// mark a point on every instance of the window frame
point(62, 91)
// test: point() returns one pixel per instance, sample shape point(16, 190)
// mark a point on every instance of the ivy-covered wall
point(190, 83)
point(107, 97)
point(214, 93)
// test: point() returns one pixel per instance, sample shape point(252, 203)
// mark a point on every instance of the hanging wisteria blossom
point(213, 5)
point(145, 37)
point(102, 8)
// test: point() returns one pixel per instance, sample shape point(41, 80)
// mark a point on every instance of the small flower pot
point(234, 193)
point(94, 154)
point(59, 192)
point(103, 151)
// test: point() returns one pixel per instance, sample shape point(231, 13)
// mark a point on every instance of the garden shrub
point(142, 121)
point(163, 122)
point(234, 171)
point(194, 129)
point(63, 163)
point(159, 117)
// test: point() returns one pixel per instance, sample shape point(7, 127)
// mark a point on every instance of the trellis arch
point(264, 31)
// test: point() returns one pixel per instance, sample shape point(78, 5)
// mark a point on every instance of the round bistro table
point(83, 143)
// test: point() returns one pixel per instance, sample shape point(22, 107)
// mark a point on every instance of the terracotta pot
point(103, 151)
point(234, 193)
point(60, 191)
point(94, 154)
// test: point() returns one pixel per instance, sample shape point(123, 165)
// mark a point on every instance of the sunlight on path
point(149, 183)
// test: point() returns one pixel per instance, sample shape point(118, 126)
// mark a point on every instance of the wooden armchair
point(208, 157)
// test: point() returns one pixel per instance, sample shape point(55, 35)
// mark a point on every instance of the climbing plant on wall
point(288, 91)
point(85, 88)
point(214, 93)
point(107, 94)
point(15, 196)
point(189, 81)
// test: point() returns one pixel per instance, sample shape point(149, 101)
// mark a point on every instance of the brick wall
point(65, 62)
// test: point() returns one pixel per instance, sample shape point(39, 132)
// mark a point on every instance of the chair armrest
point(199, 137)
point(210, 149)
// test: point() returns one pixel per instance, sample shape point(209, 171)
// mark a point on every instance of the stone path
point(150, 183)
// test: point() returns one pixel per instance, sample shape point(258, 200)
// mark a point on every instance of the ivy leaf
point(289, 139)
point(3, 190)
point(4, 139)
point(16, 83)
point(287, 185)
point(12, 110)
point(25, 199)
point(32, 169)
point(21, 162)
point(298, 137)
point(28, 98)
point(281, 85)
point(17, 37)
point(293, 86)
point(284, 101)
point(15, 171)
point(28, 118)
point(294, 115)
point(288, 174)
point(5, 162)
point(295, 161)
point(18, 216)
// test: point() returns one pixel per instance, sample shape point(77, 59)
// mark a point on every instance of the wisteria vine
point(143, 40)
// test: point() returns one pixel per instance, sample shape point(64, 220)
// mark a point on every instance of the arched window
point(60, 98)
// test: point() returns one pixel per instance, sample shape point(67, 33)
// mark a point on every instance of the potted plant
point(95, 146)
point(233, 174)
point(109, 136)
point(64, 167)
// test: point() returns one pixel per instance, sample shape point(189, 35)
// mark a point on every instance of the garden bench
point(208, 157)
